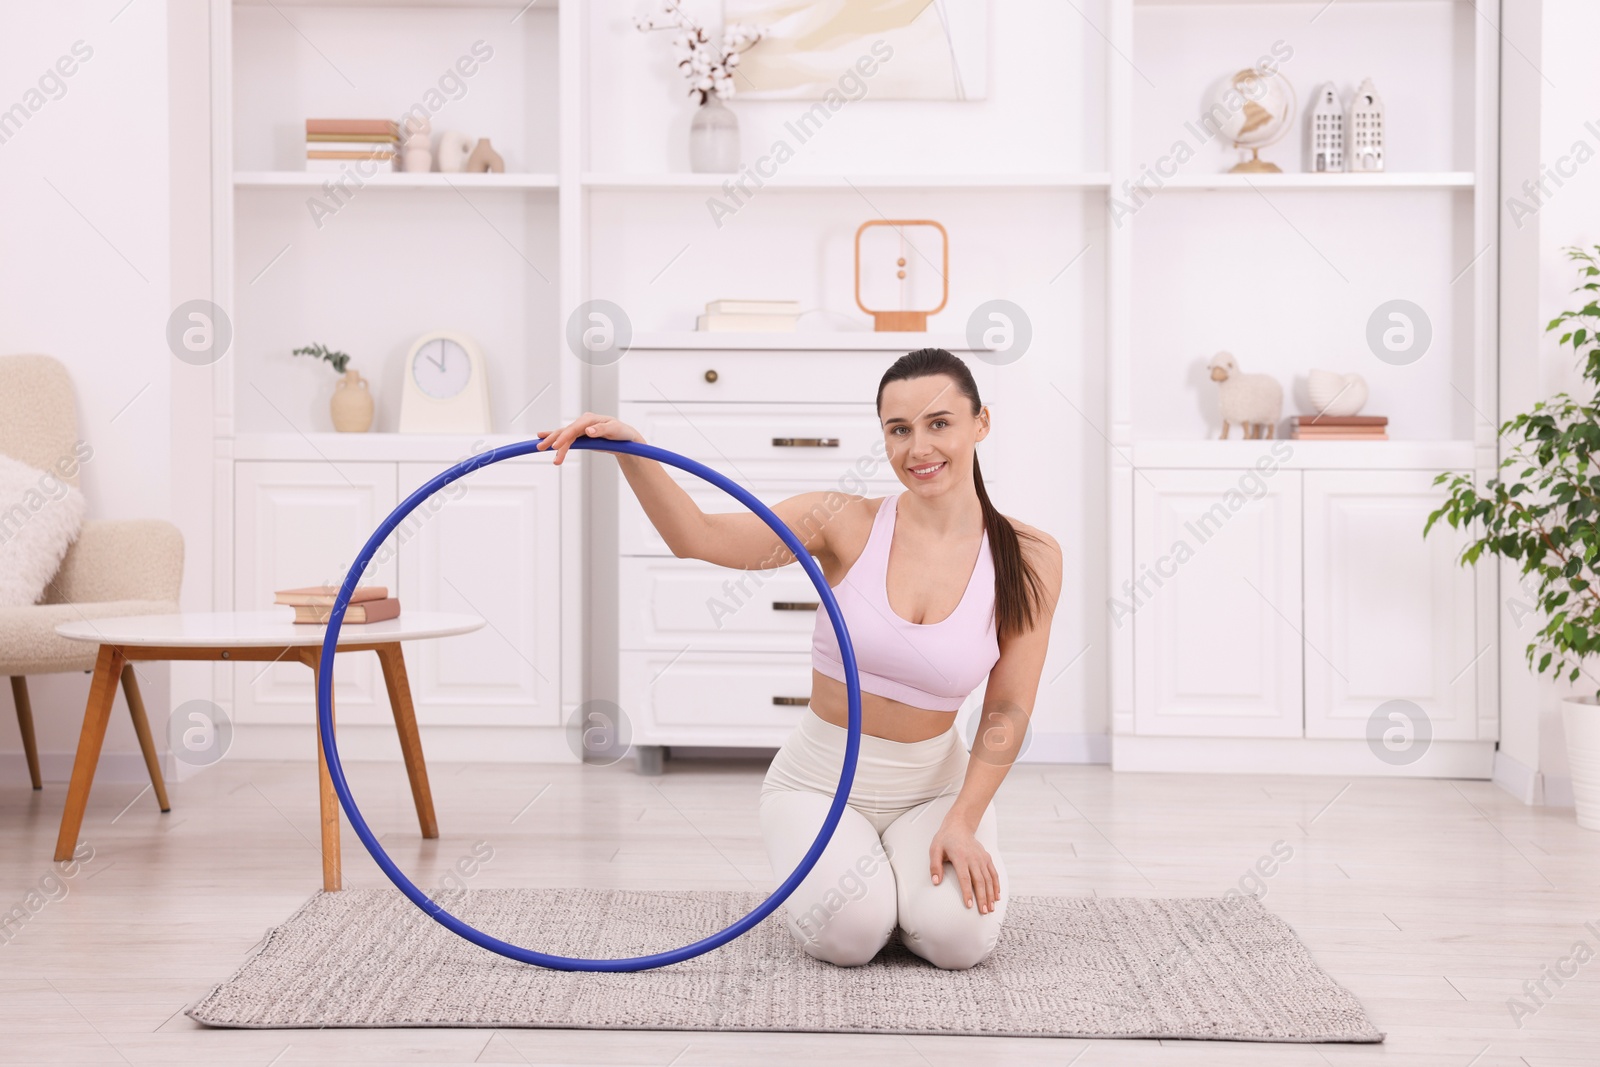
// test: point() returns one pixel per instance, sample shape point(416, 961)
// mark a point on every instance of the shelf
point(818, 340)
point(285, 179)
point(441, 448)
point(1445, 179)
point(824, 182)
point(512, 5)
point(1307, 455)
point(1315, 4)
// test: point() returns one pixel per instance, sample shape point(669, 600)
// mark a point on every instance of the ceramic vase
point(714, 139)
point(351, 406)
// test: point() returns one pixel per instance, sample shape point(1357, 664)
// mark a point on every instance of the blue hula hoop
point(430, 907)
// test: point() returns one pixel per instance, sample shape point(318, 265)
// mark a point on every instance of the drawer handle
point(805, 442)
point(796, 605)
point(711, 375)
point(791, 700)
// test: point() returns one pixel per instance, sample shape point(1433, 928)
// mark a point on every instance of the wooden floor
point(1432, 901)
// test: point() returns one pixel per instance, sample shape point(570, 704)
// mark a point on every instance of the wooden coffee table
point(251, 636)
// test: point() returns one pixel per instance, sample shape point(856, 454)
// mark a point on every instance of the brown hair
point(1018, 590)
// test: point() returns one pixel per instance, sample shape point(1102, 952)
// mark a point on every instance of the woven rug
point(1216, 968)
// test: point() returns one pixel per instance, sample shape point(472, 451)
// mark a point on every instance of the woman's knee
point(850, 934)
point(935, 921)
point(844, 910)
point(938, 926)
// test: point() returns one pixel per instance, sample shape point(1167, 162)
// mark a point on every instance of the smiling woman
point(941, 594)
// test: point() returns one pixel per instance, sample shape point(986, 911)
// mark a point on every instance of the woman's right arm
point(737, 539)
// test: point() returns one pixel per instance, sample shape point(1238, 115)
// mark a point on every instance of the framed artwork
point(883, 49)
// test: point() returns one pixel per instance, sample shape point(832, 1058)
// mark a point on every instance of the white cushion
point(40, 516)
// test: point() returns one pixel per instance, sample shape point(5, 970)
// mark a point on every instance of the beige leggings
point(874, 872)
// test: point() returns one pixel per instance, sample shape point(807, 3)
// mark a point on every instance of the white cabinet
point(1388, 615)
point(1215, 603)
point(487, 544)
point(1273, 613)
point(301, 524)
point(717, 656)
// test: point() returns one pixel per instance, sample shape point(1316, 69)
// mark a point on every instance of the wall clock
point(446, 386)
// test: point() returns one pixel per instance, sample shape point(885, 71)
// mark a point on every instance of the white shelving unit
point(1036, 184)
point(1288, 282)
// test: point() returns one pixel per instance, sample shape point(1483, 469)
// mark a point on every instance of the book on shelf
point(362, 148)
point(753, 307)
point(1339, 428)
point(388, 128)
point(333, 144)
point(339, 166)
point(1341, 420)
point(352, 138)
point(324, 595)
point(749, 316)
point(349, 155)
point(366, 611)
point(1337, 436)
point(746, 323)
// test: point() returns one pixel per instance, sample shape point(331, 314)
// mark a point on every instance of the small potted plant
point(351, 406)
point(1545, 517)
point(714, 134)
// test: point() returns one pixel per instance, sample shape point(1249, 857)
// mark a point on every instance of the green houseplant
point(1543, 511)
point(351, 406)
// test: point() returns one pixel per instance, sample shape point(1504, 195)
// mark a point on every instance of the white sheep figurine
point(1254, 401)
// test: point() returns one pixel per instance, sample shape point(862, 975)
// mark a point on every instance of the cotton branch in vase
point(709, 68)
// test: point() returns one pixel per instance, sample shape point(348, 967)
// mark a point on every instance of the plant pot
point(351, 406)
point(714, 139)
point(1582, 721)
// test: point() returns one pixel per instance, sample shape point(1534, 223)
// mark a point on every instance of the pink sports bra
point(935, 665)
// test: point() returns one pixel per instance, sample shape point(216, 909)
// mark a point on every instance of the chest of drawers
point(715, 656)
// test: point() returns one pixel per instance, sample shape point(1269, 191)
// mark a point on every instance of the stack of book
point(314, 603)
point(750, 316)
point(334, 144)
point(1340, 428)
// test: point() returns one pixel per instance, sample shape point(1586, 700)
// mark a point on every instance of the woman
point(971, 595)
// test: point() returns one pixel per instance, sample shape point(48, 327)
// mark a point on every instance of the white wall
point(85, 277)
point(1552, 91)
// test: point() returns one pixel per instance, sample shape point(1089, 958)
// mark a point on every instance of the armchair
point(114, 568)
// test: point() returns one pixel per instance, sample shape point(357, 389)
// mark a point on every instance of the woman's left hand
point(974, 867)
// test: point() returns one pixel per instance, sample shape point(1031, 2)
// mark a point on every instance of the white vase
point(714, 139)
point(1335, 394)
point(1582, 721)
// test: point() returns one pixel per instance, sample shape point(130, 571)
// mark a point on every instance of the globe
point(1253, 109)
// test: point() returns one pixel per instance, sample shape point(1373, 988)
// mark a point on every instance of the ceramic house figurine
point(1365, 130)
point(415, 153)
point(484, 159)
point(1254, 401)
point(1325, 132)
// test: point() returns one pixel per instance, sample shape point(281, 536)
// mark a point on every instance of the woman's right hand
point(586, 425)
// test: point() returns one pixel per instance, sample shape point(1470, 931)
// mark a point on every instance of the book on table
point(324, 595)
point(366, 611)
